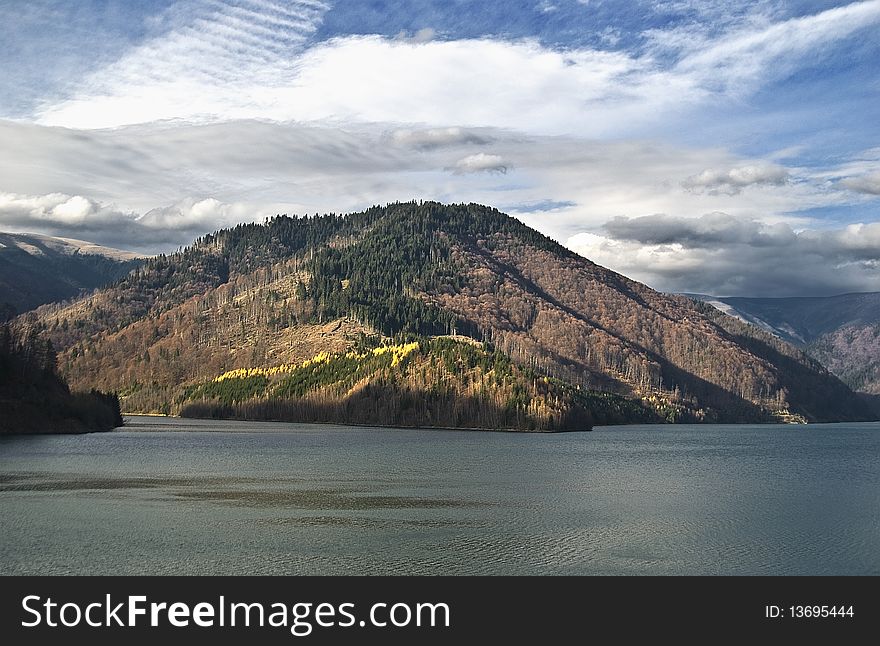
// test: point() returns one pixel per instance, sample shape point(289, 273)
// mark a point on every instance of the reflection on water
point(172, 496)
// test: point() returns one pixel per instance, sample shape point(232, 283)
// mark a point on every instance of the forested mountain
point(282, 292)
point(37, 269)
point(841, 332)
point(34, 399)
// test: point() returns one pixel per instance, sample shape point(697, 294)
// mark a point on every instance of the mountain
point(841, 332)
point(282, 293)
point(34, 399)
point(37, 269)
point(802, 320)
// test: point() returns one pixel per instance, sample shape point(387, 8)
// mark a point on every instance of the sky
point(698, 146)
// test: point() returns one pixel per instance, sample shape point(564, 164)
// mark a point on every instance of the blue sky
point(691, 144)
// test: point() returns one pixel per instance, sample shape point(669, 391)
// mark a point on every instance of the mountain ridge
point(842, 332)
point(36, 269)
point(258, 295)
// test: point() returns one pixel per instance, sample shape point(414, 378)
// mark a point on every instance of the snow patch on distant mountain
point(33, 243)
point(727, 309)
point(37, 269)
point(783, 331)
point(29, 248)
point(789, 331)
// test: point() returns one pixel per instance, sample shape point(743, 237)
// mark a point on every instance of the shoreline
point(658, 425)
point(377, 426)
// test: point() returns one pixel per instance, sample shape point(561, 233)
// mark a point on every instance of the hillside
point(34, 399)
point(441, 382)
point(841, 332)
point(37, 269)
point(259, 296)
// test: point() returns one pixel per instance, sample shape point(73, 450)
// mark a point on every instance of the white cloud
point(744, 59)
point(732, 181)
point(481, 163)
point(67, 215)
point(55, 212)
point(372, 79)
point(73, 210)
point(868, 183)
point(209, 63)
point(225, 67)
point(191, 215)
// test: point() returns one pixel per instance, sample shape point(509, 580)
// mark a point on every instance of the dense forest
point(438, 382)
point(281, 292)
point(34, 399)
point(853, 353)
point(842, 332)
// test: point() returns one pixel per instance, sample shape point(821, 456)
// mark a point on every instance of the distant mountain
point(842, 332)
point(278, 296)
point(37, 269)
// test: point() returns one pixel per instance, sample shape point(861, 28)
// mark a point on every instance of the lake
point(171, 496)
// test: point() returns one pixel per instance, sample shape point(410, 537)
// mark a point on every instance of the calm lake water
point(165, 496)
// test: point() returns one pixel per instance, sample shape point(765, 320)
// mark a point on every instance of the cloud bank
point(726, 256)
point(560, 185)
point(74, 215)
